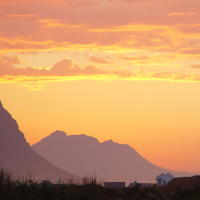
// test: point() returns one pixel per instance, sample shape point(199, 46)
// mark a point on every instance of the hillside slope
point(86, 156)
point(17, 156)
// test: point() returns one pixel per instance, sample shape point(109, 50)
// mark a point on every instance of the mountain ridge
point(17, 156)
point(108, 160)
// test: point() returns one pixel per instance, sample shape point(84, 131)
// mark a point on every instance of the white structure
point(164, 179)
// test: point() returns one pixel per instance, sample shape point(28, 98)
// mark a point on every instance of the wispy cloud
point(182, 13)
point(197, 66)
point(63, 68)
point(99, 60)
point(21, 15)
point(153, 39)
point(66, 70)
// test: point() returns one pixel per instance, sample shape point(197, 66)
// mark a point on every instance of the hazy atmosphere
point(158, 119)
point(126, 70)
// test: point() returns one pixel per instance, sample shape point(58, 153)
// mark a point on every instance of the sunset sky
point(127, 70)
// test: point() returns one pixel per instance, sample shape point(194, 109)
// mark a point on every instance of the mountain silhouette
point(17, 156)
point(86, 156)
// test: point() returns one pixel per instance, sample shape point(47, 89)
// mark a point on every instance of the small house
point(164, 179)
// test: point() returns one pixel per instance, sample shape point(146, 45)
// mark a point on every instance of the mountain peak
point(10, 135)
point(17, 156)
point(6, 120)
point(58, 133)
point(109, 142)
point(109, 160)
point(2, 109)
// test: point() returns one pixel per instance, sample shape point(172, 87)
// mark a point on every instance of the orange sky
point(128, 70)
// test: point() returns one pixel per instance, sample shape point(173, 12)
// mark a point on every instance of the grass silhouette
point(87, 188)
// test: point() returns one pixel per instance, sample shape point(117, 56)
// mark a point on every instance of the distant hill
point(184, 183)
point(86, 156)
point(17, 156)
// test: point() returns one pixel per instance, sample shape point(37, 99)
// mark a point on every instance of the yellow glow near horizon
point(121, 70)
point(148, 115)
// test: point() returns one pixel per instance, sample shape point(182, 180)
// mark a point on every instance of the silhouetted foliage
point(87, 189)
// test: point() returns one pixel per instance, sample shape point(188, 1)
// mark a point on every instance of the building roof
point(166, 176)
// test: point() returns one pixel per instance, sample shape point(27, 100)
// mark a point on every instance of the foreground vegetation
point(11, 189)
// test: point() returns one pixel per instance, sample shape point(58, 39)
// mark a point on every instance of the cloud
point(66, 70)
point(133, 58)
point(191, 51)
point(97, 22)
point(54, 23)
point(7, 65)
point(21, 15)
point(182, 13)
point(176, 77)
point(195, 66)
point(158, 36)
point(63, 68)
point(99, 60)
